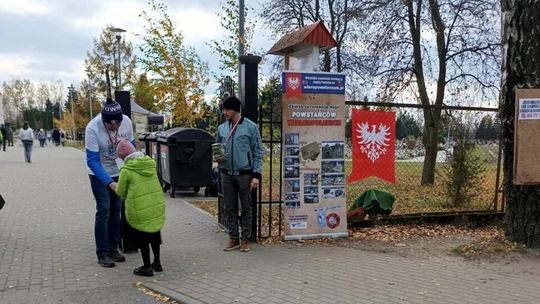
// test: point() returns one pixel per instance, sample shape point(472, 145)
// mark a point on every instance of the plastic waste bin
point(144, 142)
point(153, 151)
point(185, 158)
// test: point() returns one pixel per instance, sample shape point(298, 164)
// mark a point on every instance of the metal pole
point(240, 37)
point(119, 87)
point(71, 92)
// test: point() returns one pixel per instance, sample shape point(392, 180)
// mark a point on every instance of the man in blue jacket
point(101, 137)
point(240, 169)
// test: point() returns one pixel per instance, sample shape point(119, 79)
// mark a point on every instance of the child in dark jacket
point(139, 187)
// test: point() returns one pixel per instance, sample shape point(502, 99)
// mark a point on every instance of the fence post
point(248, 94)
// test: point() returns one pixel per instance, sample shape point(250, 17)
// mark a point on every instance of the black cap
point(232, 103)
point(111, 111)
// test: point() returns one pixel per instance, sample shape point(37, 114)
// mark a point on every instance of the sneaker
point(232, 245)
point(157, 267)
point(105, 261)
point(145, 271)
point(117, 257)
point(244, 246)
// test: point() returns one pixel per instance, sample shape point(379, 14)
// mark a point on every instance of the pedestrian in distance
point(10, 136)
point(56, 136)
point(102, 135)
point(3, 133)
point(139, 188)
point(42, 137)
point(62, 137)
point(240, 168)
point(27, 137)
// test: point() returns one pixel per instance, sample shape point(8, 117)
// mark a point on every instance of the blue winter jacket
point(243, 150)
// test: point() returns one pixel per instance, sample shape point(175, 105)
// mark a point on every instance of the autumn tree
point(19, 95)
point(144, 93)
point(520, 69)
point(436, 52)
point(227, 50)
point(227, 47)
point(104, 56)
point(176, 72)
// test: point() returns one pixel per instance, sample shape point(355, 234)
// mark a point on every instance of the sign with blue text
point(313, 83)
point(314, 196)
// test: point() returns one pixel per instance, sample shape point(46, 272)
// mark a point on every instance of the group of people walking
point(26, 134)
point(122, 178)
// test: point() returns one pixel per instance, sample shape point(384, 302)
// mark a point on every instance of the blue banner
point(296, 84)
point(323, 83)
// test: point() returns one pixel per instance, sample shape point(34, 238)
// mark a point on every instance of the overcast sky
point(47, 40)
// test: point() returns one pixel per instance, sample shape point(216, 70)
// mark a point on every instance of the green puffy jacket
point(139, 187)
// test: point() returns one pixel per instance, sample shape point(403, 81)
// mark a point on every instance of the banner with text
point(314, 195)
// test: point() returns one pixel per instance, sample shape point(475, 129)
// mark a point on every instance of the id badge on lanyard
point(111, 147)
point(112, 150)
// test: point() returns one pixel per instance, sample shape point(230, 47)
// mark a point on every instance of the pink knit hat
point(124, 148)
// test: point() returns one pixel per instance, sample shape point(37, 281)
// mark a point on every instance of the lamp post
point(71, 97)
point(241, 42)
point(118, 32)
point(89, 73)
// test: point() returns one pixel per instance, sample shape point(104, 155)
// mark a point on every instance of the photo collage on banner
point(314, 193)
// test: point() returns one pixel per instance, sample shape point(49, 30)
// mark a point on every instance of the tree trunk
point(430, 144)
point(326, 61)
point(520, 69)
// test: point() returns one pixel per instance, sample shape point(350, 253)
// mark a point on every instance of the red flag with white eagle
point(373, 144)
point(293, 84)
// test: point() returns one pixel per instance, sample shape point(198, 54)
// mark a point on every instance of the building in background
point(144, 120)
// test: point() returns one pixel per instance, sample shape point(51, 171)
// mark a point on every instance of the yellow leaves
point(175, 70)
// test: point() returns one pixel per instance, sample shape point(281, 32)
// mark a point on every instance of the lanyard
point(232, 130)
point(113, 144)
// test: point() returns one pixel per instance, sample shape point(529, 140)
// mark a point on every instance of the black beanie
point(111, 110)
point(232, 103)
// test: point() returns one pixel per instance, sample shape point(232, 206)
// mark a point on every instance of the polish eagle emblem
point(373, 142)
point(294, 83)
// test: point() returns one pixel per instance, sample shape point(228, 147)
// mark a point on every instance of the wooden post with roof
point(312, 119)
point(302, 47)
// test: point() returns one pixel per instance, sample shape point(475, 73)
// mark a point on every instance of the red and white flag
point(373, 144)
point(293, 84)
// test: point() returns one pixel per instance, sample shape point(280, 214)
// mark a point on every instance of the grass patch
point(411, 197)
point(79, 145)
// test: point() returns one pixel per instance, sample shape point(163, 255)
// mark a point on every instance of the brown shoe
point(244, 246)
point(232, 245)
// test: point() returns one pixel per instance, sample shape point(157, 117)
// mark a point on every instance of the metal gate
point(266, 200)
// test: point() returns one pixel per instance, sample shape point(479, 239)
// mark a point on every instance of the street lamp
point(71, 90)
point(118, 32)
point(90, 75)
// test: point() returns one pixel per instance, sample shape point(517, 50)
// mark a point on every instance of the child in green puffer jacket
point(139, 187)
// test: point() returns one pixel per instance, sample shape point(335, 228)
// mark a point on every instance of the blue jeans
point(107, 226)
point(27, 150)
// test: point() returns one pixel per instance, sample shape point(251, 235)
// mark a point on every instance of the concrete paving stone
point(30, 238)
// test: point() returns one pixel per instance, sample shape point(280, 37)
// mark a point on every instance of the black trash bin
point(153, 151)
point(144, 142)
point(185, 158)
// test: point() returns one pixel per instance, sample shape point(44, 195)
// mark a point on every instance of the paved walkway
point(47, 255)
